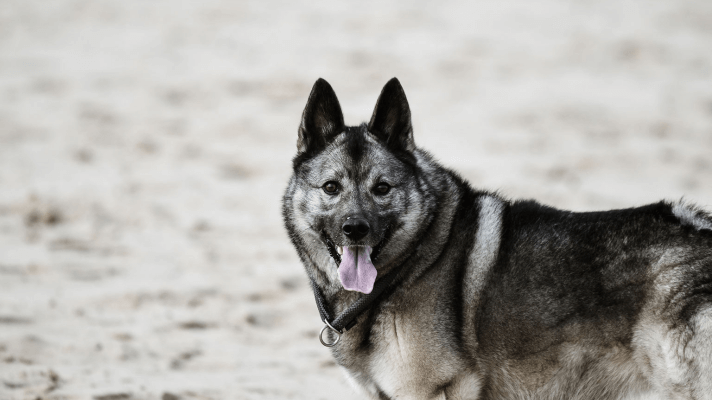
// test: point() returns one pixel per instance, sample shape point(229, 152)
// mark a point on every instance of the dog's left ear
point(322, 119)
point(390, 121)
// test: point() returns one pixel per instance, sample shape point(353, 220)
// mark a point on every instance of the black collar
point(347, 319)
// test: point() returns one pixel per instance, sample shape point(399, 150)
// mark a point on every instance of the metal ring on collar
point(321, 335)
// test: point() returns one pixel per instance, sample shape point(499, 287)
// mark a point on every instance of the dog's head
point(357, 192)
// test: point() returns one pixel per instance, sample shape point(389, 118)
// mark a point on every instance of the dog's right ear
point(391, 118)
point(322, 119)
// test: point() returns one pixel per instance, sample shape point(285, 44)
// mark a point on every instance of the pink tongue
point(356, 271)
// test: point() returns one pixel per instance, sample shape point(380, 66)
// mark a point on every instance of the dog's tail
point(692, 215)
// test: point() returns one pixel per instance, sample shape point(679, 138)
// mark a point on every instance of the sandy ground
point(144, 148)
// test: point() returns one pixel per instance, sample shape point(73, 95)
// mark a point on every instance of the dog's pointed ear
point(390, 121)
point(322, 118)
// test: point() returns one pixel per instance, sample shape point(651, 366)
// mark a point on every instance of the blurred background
point(144, 148)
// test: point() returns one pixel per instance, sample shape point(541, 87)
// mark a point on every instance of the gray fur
point(500, 299)
point(692, 216)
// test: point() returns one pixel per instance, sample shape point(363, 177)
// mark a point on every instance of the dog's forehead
point(354, 155)
point(364, 155)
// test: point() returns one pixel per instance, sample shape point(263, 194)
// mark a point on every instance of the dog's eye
point(331, 187)
point(382, 188)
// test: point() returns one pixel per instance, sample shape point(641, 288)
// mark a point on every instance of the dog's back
point(599, 303)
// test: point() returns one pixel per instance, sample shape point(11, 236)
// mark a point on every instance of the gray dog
point(430, 289)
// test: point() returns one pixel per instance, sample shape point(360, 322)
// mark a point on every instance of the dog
point(430, 289)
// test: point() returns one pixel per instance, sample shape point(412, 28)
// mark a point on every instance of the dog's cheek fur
point(403, 220)
point(408, 213)
point(303, 218)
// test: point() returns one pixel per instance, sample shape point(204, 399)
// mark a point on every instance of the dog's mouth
point(336, 251)
point(356, 269)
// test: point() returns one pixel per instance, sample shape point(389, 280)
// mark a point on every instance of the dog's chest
point(413, 359)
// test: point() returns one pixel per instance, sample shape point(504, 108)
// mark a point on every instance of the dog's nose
point(355, 228)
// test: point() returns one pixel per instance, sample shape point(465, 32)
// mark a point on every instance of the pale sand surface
point(144, 148)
